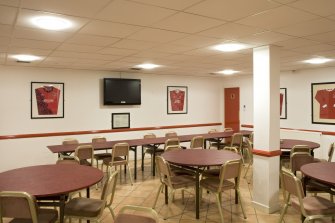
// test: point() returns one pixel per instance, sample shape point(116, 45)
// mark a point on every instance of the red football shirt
point(177, 98)
point(47, 98)
point(326, 99)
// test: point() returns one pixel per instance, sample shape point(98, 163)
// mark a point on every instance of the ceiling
point(116, 35)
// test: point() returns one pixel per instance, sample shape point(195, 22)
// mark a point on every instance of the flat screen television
point(120, 91)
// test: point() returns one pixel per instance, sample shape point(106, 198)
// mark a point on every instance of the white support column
point(266, 128)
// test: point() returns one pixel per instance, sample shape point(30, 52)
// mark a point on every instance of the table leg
point(61, 207)
point(154, 161)
point(135, 162)
point(166, 195)
point(197, 190)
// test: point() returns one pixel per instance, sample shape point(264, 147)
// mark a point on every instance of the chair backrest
point(163, 170)
point(172, 148)
point(99, 139)
point(331, 152)
point(74, 161)
point(108, 191)
point(251, 137)
point(139, 211)
point(17, 204)
point(84, 152)
point(227, 129)
point(171, 142)
point(300, 148)
point(298, 159)
point(120, 149)
point(149, 136)
point(231, 148)
point(197, 142)
point(70, 141)
point(237, 140)
point(171, 134)
point(230, 170)
point(249, 149)
point(212, 131)
point(292, 185)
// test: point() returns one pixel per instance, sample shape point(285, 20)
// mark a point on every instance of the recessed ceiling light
point(228, 72)
point(148, 66)
point(229, 47)
point(51, 22)
point(317, 60)
point(26, 58)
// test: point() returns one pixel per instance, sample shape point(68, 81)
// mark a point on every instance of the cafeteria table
point(198, 158)
point(55, 181)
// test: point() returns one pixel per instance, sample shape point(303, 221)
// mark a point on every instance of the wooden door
point(232, 108)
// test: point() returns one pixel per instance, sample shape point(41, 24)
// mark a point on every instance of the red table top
point(289, 143)
point(140, 142)
point(49, 180)
point(199, 157)
point(321, 171)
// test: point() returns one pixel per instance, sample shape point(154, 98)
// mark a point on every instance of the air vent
point(135, 68)
point(21, 61)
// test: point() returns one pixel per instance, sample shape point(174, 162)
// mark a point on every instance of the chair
point(172, 148)
point(90, 208)
point(229, 179)
point(148, 215)
point(22, 207)
point(230, 148)
point(298, 159)
point(150, 149)
point(300, 148)
point(250, 156)
point(100, 156)
point(70, 141)
point(171, 134)
point(237, 142)
point(310, 207)
point(330, 154)
point(120, 156)
point(224, 142)
point(212, 142)
point(171, 142)
point(173, 182)
point(197, 142)
point(84, 154)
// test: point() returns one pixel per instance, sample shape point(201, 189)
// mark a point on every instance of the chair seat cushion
point(128, 218)
point(85, 163)
point(213, 184)
point(44, 216)
point(101, 156)
point(315, 205)
point(181, 181)
point(211, 173)
point(85, 207)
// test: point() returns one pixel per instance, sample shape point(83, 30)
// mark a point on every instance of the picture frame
point(177, 99)
point(283, 103)
point(323, 103)
point(47, 100)
point(120, 120)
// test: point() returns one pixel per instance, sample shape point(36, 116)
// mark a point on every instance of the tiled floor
point(143, 193)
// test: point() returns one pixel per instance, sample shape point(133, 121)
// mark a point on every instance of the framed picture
point(323, 103)
point(283, 103)
point(47, 100)
point(177, 100)
point(120, 120)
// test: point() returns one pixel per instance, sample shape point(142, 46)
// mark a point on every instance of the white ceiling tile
point(38, 44)
point(112, 29)
point(40, 34)
point(264, 38)
point(171, 48)
point(78, 48)
point(156, 35)
point(133, 13)
point(319, 7)
point(307, 28)
point(230, 10)
point(92, 40)
point(196, 41)
point(85, 8)
point(14, 3)
point(5, 41)
point(285, 1)
point(188, 23)
point(26, 50)
point(96, 56)
point(314, 48)
point(134, 44)
point(151, 54)
point(323, 37)
point(295, 43)
point(117, 51)
point(25, 17)
point(7, 15)
point(172, 4)
point(230, 31)
point(5, 30)
point(277, 17)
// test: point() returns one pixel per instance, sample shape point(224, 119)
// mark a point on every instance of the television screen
point(118, 91)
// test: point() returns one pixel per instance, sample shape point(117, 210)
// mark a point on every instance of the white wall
point(298, 86)
point(84, 109)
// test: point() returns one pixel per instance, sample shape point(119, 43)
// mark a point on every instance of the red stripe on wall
point(266, 153)
point(35, 135)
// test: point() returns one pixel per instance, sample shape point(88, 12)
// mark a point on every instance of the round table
point(199, 158)
point(50, 180)
point(290, 143)
point(323, 172)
